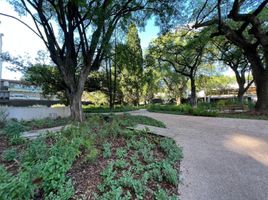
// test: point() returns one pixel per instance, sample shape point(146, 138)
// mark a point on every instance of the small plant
point(107, 150)
point(120, 153)
point(92, 155)
point(161, 194)
point(3, 116)
point(10, 154)
point(121, 163)
point(173, 152)
point(13, 130)
point(170, 174)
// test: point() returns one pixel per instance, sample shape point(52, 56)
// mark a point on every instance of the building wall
point(29, 113)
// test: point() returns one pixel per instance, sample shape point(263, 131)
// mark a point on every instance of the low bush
point(10, 154)
point(13, 130)
point(3, 116)
point(43, 168)
point(105, 109)
point(202, 110)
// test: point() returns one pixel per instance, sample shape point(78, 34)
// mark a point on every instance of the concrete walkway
point(224, 159)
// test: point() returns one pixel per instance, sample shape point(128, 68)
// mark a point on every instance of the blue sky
point(19, 40)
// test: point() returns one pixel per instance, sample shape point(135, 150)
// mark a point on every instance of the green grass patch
point(246, 115)
point(184, 109)
point(106, 109)
point(139, 119)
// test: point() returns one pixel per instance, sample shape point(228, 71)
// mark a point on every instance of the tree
point(132, 71)
point(183, 51)
point(243, 24)
point(215, 84)
point(233, 57)
point(84, 29)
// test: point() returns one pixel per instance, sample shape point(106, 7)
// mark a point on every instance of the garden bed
point(100, 159)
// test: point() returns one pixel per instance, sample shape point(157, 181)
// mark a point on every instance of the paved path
point(224, 159)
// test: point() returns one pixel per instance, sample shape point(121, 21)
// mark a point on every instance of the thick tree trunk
point(193, 98)
point(262, 93)
point(260, 76)
point(240, 93)
point(241, 83)
point(76, 106)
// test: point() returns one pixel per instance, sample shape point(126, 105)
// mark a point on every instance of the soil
point(86, 175)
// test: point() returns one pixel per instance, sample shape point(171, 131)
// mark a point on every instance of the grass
point(106, 109)
point(205, 109)
point(245, 115)
point(183, 109)
point(101, 156)
point(139, 119)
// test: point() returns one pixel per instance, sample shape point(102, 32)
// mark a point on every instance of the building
point(21, 93)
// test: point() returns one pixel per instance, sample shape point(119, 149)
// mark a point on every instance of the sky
point(18, 40)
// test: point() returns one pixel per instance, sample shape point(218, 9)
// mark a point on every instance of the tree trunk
point(178, 100)
point(260, 75)
point(262, 93)
point(193, 98)
point(76, 106)
point(240, 93)
point(241, 83)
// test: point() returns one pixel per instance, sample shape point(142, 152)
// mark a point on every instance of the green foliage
point(170, 174)
point(105, 109)
point(173, 152)
point(134, 175)
point(204, 112)
point(13, 130)
point(15, 187)
point(161, 194)
point(139, 119)
point(3, 116)
point(132, 67)
point(92, 155)
point(37, 151)
point(98, 98)
point(44, 167)
point(106, 150)
point(120, 152)
point(10, 154)
point(44, 123)
point(184, 109)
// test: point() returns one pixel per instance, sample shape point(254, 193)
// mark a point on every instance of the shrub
point(120, 152)
point(13, 130)
point(173, 152)
point(10, 154)
point(161, 194)
point(3, 116)
point(170, 174)
point(204, 112)
point(107, 150)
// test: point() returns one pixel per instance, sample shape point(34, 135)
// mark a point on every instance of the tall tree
point(243, 23)
point(76, 33)
point(132, 72)
point(233, 57)
point(183, 51)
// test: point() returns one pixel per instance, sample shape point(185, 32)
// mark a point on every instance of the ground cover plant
point(99, 159)
point(183, 109)
point(106, 109)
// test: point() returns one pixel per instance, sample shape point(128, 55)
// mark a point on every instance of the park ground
point(224, 159)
